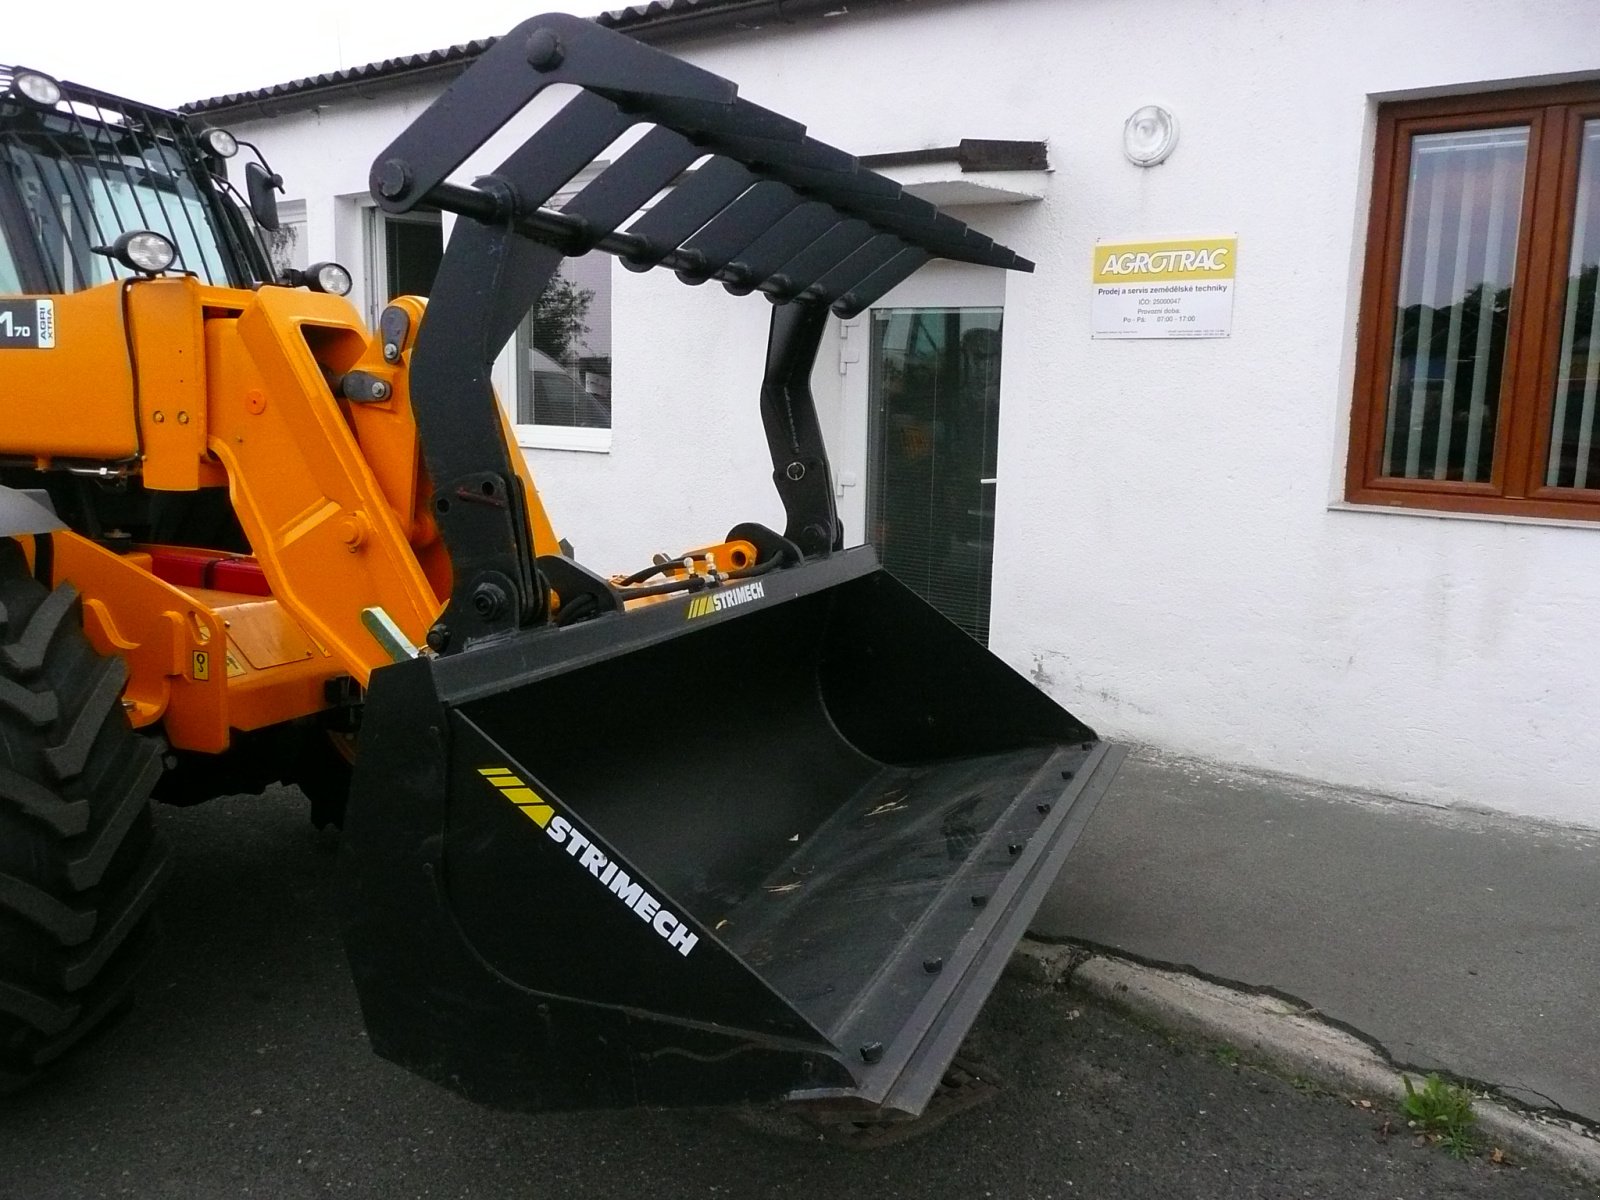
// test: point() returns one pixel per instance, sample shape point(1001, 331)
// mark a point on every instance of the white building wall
point(1172, 559)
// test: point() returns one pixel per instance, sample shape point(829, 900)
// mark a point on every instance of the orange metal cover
point(75, 399)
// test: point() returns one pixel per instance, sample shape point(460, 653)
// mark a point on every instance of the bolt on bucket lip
point(900, 1071)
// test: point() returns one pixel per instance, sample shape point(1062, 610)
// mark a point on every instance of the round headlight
point(1149, 135)
point(220, 142)
point(328, 277)
point(143, 251)
point(38, 89)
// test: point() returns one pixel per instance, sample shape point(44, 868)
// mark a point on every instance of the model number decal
point(29, 324)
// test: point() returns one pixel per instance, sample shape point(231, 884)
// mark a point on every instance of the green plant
point(1442, 1111)
point(560, 318)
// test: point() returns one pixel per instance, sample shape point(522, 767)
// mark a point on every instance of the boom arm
point(769, 210)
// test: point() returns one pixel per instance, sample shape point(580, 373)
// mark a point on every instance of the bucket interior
point(806, 780)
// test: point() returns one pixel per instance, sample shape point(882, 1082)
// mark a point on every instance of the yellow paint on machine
point(533, 806)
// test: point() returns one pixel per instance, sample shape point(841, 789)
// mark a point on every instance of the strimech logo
point(724, 598)
point(559, 830)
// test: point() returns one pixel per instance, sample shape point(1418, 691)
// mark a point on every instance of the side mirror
point(263, 187)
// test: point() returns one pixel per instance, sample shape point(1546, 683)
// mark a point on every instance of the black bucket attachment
point(771, 842)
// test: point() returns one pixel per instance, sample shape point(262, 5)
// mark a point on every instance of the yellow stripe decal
point(513, 789)
point(532, 805)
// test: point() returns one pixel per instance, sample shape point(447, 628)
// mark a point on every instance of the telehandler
point(751, 824)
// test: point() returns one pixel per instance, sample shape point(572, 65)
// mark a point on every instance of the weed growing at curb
point(1226, 1054)
point(1443, 1112)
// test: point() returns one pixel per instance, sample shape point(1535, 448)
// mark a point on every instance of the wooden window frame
point(1555, 117)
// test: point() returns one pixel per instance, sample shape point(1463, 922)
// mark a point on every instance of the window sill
point(561, 437)
point(1384, 508)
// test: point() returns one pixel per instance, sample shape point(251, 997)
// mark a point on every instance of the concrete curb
point(1290, 1040)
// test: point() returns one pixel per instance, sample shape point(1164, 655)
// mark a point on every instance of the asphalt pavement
point(244, 1072)
point(1458, 941)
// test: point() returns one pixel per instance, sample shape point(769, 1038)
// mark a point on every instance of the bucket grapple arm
point(764, 208)
point(772, 839)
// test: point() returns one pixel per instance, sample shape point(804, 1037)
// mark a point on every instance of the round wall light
point(1149, 135)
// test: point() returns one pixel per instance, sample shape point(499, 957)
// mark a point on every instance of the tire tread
point(81, 861)
point(26, 655)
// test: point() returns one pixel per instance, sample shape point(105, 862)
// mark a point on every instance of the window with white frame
point(560, 387)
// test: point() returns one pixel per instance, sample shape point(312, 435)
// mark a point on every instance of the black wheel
point(80, 860)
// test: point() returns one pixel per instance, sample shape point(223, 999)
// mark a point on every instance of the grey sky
point(168, 51)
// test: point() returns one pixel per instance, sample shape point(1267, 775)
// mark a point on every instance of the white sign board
point(1179, 289)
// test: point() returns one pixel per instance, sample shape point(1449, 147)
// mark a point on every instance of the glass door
point(934, 416)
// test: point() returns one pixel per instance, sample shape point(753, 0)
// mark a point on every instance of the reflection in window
point(286, 245)
point(10, 276)
point(935, 420)
point(1463, 205)
point(564, 348)
point(1575, 416)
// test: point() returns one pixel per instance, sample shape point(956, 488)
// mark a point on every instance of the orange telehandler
point(753, 823)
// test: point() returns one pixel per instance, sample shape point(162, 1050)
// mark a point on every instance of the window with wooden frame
point(1478, 368)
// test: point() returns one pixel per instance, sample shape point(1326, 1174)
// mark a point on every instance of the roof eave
point(658, 21)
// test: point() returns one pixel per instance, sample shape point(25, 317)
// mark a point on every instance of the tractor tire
point(80, 859)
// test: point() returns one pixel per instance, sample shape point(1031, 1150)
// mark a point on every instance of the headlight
point(220, 142)
point(328, 277)
point(36, 88)
point(143, 251)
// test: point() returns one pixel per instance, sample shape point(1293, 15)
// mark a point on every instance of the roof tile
point(432, 63)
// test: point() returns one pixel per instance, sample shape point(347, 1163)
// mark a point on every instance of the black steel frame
point(765, 208)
